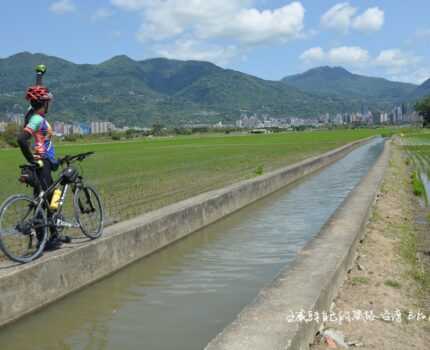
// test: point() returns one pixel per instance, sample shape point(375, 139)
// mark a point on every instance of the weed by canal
point(408, 251)
point(359, 280)
point(259, 171)
point(417, 184)
point(392, 284)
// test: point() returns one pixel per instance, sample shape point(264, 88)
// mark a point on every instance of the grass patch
point(376, 216)
point(259, 170)
point(360, 280)
point(408, 245)
point(408, 251)
point(417, 184)
point(393, 284)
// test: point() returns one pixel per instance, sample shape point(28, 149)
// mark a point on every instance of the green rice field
point(417, 147)
point(139, 176)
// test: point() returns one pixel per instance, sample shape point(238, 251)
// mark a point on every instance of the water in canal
point(182, 296)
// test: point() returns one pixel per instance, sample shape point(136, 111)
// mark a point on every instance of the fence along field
point(144, 175)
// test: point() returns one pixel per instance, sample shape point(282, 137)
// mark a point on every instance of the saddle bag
point(29, 177)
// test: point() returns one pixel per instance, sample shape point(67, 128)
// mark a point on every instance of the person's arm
point(24, 143)
point(25, 136)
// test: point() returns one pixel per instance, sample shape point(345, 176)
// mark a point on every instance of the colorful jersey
point(40, 129)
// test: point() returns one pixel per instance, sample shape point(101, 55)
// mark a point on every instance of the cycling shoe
point(54, 243)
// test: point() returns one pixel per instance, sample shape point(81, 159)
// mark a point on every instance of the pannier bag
point(29, 177)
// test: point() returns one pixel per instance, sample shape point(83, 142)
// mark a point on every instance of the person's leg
point(40, 185)
point(45, 178)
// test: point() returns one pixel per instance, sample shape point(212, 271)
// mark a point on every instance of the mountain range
point(129, 92)
point(337, 81)
point(422, 90)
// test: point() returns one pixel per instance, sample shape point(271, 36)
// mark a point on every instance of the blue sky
point(266, 38)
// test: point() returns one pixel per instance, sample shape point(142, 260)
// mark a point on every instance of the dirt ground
point(389, 276)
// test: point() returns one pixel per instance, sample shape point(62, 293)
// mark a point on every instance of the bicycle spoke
point(89, 212)
point(19, 227)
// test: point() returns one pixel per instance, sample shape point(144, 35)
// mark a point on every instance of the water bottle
point(55, 201)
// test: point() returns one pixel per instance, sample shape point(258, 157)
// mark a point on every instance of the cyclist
point(43, 154)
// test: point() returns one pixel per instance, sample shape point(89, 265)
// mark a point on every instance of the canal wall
point(26, 288)
point(309, 284)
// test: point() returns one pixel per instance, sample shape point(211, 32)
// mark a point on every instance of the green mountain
point(421, 91)
point(337, 81)
point(129, 92)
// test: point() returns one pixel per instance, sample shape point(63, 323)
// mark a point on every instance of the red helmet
point(38, 94)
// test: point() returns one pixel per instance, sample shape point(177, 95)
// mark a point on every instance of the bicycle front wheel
point(88, 211)
point(23, 229)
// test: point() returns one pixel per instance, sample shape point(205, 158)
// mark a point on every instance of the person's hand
point(38, 163)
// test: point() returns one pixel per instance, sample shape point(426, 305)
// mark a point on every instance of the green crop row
point(142, 175)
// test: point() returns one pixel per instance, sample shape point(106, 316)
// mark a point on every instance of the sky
point(266, 38)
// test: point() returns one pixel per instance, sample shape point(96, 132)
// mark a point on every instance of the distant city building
point(16, 118)
point(398, 115)
point(85, 129)
point(58, 128)
point(99, 127)
point(68, 129)
point(76, 129)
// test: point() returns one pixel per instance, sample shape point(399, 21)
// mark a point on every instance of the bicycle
point(25, 220)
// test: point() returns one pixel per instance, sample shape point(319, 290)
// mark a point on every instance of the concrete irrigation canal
point(184, 295)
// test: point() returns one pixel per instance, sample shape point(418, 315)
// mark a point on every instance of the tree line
point(423, 108)
point(9, 135)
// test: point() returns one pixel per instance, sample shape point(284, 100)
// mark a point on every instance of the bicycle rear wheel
point(89, 211)
point(23, 229)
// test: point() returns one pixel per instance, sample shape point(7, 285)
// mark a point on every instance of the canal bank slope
point(24, 289)
point(390, 275)
point(310, 284)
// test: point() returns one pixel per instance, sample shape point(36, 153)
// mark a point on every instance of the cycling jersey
point(41, 131)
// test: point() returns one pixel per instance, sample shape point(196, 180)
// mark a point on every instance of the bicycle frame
point(43, 199)
point(39, 214)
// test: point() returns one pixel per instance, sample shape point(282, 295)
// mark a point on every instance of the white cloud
point(344, 55)
point(371, 20)
point(396, 60)
point(170, 18)
point(116, 34)
point(423, 33)
point(102, 13)
point(189, 49)
point(313, 54)
point(393, 63)
point(254, 26)
point(402, 66)
point(350, 55)
point(63, 6)
point(130, 4)
point(339, 17)
point(342, 17)
point(236, 20)
point(415, 76)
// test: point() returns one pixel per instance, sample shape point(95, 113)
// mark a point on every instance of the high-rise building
point(68, 129)
point(99, 127)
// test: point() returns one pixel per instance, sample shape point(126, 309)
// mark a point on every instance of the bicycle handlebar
point(67, 159)
point(78, 157)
